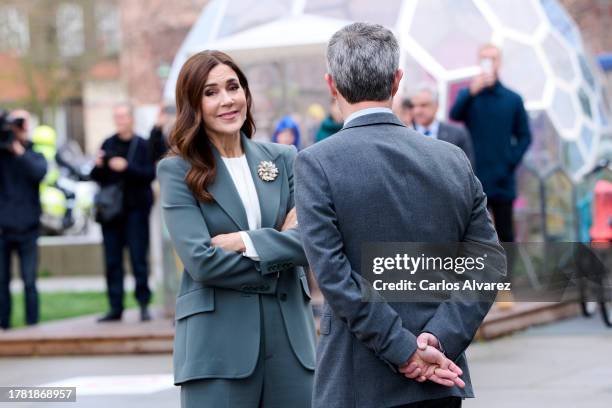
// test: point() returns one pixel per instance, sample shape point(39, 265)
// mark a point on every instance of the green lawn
point(62, 305)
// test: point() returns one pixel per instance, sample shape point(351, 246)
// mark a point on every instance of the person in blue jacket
point(287, 132)
point(498, 124)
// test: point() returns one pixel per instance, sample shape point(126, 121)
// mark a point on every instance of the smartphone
point(486, 64)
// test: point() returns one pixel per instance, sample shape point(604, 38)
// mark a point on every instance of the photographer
point(124, 170)
point(21, 171)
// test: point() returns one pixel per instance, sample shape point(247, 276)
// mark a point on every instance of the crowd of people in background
point(490, 126)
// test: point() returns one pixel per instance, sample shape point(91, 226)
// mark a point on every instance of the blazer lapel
point(442, 133)
point(268, 192)
point(225, 194)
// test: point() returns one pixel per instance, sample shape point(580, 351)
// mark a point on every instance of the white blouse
point(238, 168)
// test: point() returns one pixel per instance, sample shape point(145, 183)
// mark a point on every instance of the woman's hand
point(229, 242)
point(290, 220)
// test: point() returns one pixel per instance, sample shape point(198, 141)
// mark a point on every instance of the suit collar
point(442, 131)
point(374, 119)
point(224, 190)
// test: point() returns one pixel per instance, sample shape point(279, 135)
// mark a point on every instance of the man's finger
point(422, 341)
point(441, 381)
point(408, 367)
point(413, 367)
point(441, 360)
point(459, 382)
point(455, 368)
point(421, 379)
point(414, 374)
point(430, 370)
point(427, 339)
point(446, 374)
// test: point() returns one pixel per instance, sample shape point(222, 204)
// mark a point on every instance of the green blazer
point(217, 306)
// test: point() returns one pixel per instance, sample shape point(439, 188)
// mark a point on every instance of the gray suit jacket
point(458, 136)
point(217, 307)
point(376, 180)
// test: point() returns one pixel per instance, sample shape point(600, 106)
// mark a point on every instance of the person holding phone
point(497, 121)
point(21, 171)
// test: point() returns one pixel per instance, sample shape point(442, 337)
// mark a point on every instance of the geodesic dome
point(544, 59)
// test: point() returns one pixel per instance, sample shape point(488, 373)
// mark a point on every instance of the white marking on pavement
point(117, 384)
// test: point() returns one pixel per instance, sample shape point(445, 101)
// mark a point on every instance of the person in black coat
point(21, 171)
point(497, 121)
point(125, 158)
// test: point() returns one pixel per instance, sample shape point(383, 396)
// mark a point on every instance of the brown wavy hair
point(188, 138)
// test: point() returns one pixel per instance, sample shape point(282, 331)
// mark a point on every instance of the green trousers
point(279, 380)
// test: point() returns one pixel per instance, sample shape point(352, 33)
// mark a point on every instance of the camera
point(7, 135)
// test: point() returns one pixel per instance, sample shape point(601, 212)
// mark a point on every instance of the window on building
point(70, 30)
point(108, 32)
point(14, 30)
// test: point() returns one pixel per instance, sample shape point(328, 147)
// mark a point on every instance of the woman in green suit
point(244, 327)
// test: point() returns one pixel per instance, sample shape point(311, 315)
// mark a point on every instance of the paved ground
point(136, 374)
point(77, 284)
point(566, 364)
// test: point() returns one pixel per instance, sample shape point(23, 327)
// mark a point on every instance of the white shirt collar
point(434, 127)
point(366, 111)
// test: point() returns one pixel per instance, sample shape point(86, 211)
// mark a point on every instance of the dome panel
point(559, 207)
point(458, 32)
point(357, 10)
point(585, 103)
point(415, 75)
point(259, 12)
point(587, 136)
point(559, 57)
point(572, 159)
point(603, 117)
point(544, 152)
point(522, 70)
point(523, 19)
point(563, 109)
point(587, 73)
point(561, 22)
point(604, 103)
point(527, 206)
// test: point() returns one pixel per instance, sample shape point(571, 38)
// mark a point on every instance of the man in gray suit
point(377, 181)
point(425, 107)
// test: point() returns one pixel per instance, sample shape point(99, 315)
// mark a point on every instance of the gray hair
point(430, 89)
point(362, 59)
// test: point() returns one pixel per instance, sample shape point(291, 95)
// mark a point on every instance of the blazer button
point(283, 297)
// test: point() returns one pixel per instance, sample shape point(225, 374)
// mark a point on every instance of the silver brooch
point(267, 171)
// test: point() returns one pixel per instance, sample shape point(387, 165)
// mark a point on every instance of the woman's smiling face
point(224, 106)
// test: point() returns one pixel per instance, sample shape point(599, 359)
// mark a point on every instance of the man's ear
point(396, 81)
point(331, 85)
